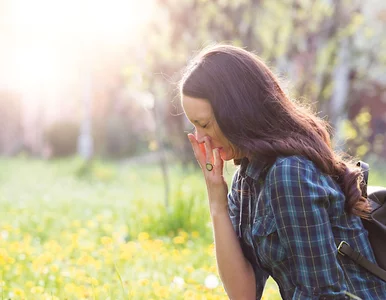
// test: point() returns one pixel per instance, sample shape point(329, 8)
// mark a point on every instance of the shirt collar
point(251, 168)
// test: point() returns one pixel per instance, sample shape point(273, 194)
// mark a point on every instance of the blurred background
point(100, 193)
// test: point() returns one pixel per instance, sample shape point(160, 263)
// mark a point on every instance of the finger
point(201, 144)
point(208, 150)
point(218, 162)
point(196, 149)
point(202, 149)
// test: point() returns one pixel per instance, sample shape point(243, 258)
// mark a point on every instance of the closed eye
point(206, 125)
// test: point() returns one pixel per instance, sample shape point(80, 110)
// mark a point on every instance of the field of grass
point(104, 233)
point(67, 232)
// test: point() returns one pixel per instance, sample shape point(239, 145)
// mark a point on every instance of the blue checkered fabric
point(288, 217)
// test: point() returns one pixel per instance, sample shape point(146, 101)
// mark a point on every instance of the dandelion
point(4, 234)
point(162, 292)
point(54, 268)
point(178, 281)
point(183, 233)
point(211, 281)
point(91, 224)
point(76, 223)
point(195, 234)
point(37, 290)
point(189, 295)
point(189, 269)
point(178, 240)
point(19, 292)
point(143, 282)
point(106, 240)
point(143, 236)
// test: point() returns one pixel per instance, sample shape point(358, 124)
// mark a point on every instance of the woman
point(292, 196)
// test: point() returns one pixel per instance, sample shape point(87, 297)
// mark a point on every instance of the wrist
point(218, 210)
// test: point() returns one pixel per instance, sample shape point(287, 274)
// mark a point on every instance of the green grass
point(70, 232)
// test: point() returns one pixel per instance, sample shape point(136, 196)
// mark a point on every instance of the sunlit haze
point(42, 40)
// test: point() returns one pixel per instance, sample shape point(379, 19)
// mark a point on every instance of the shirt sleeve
point(234, 203)
point(299, 202)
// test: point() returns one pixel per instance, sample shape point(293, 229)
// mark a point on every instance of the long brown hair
point(258, 118)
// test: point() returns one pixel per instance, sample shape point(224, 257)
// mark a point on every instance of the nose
point(199, 135)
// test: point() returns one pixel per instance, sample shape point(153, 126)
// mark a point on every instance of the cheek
point(226, 153)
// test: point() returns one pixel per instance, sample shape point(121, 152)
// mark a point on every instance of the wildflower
point(189, 269)
point(106, 240)
point(178, 240)
point(189, 295)
point(195, 234)
point(143, 282)
point(19, 292)
point(37, 290)
point(211, 281)
point(143, 236)
point(178, 281)
point(162, 292)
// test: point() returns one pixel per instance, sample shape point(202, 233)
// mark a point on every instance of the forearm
point(235, 270)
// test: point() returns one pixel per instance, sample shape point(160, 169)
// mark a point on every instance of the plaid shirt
point(287, 218)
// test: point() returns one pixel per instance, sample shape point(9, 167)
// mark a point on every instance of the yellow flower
point(94, 281)
point(106, 240)
point(189, 269)
point(186, 252)
point(76, 223)
point(70, 288)
point(195, 234)
point(91, 224)
point(107, 227)
point(106, 287)
point(143, 236)
point(19, 292)
point(162, 292)
point(4, 257)
point(143, 282)
point(189, 295)
point(37, 290)
point(183, 233)
point(178, 240)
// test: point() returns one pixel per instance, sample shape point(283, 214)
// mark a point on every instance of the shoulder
point(295, 174)
point(294, 184)
point(293, 166)
point(295, 161)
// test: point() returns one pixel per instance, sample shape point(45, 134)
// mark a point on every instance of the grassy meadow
point(69, 232)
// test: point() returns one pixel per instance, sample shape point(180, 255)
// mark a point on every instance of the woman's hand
point(215, 182)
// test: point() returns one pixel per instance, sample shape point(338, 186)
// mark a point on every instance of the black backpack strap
point(345, 249)
point(365, 171)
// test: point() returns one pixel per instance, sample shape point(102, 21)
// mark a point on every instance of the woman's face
point(200, 114)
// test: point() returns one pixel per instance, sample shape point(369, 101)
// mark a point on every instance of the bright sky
point(40, 39)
